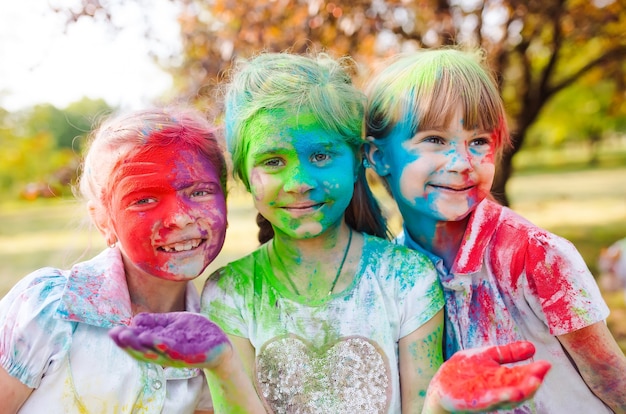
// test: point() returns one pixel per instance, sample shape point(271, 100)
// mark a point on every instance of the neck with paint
point(442, 238)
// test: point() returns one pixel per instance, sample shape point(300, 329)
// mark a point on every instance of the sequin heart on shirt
point(348, 376)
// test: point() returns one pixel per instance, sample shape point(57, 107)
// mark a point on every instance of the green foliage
point(577, 114)
point(65, 125)
point(41, 147)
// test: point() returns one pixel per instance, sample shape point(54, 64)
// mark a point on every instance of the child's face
point(301, 176)
point(441, 173)
point(168, 211)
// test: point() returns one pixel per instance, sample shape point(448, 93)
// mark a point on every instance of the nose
point(300, 180)
point(178, 215)
point(460, 159)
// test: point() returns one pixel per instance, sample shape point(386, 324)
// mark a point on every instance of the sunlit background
point(46, 60)
point(66, 63)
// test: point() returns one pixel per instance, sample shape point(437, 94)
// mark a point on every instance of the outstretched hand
point(474, 379)
point(176, 339)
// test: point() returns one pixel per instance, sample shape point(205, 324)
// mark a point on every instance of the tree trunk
point(504, 169)
point(503, 172)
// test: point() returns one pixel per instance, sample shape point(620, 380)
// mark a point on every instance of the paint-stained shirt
point(54, 338)
point(512, 280)
point(338, 354)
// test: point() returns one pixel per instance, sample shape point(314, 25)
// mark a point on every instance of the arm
point(600, 361)
point(420, 355)
point(231, 382)
point(474, 380)
point(13, 393)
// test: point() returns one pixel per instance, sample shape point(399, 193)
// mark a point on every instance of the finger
point(530, 379)
point(124, 337)
point(513, 352)
point(540, 368)
point(533, 376)
point(502, 397)
point(147, 355)
point(114, 334)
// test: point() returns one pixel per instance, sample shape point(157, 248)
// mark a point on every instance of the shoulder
point(31, 332)
point(243, 267)
point(520, 246)
point(529, 235)
point(396, 254)
point(237, 277)
point(405, 267)
point(39, 288)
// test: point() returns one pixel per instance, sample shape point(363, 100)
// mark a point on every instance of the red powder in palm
point(475, 375)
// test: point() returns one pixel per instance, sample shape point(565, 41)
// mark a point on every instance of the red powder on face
point(168, 197)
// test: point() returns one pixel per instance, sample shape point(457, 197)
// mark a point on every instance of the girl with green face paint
point(322, 299)
point(325, 316)
point(436, 125)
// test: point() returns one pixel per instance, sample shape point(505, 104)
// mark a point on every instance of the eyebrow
point(272, 150)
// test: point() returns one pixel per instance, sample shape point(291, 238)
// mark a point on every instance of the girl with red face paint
point(436, 125)
point(323, 317)
point(154, 184)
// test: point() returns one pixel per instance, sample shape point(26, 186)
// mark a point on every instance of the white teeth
point(183, 246)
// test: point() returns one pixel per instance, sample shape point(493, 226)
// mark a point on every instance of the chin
point(184, 272)
point(455, 215)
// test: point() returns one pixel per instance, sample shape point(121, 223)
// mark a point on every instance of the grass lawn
point(585, 206)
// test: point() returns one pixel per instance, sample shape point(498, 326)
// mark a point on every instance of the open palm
point(475, 379)
point(176, 339)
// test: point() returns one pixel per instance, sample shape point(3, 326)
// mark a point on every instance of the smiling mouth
point(184, 246)
point(456, 189)
point(304, 207)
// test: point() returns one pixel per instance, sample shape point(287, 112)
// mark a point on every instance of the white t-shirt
point(54, 338)
point(334, 355)
point(512, 280)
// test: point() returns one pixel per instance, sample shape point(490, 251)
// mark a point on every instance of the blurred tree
point(537, 47)
point(590, 100)
point(64, 125)
point(41, 146)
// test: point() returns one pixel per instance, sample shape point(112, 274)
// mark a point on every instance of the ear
point(102, 222)
point(375, 157)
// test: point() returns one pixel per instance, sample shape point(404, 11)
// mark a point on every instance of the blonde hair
point(421, 90)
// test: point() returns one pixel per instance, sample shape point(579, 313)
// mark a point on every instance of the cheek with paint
point(338, 188)
point(169, 216)
point(406, 168)
point(259, 184)
point(486, 170)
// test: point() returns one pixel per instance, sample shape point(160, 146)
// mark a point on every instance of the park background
point(559, 63)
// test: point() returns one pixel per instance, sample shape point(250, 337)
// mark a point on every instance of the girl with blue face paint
point(324, 317)
point(436, 126)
